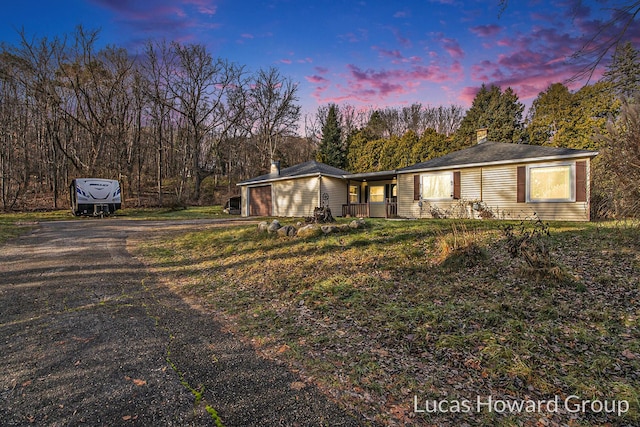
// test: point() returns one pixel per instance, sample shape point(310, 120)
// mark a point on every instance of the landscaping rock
point(328, 229)
point(343, 227)
point(357, 223)
point(274, 226)
point(310, 230)
point(263, 226)
point(287, 231)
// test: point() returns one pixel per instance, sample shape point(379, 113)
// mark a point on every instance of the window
point(353, 194)
point(376, 193)
point(551, 183)
point(437, 186)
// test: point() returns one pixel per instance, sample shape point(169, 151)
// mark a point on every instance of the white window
point(551, 183)
point(353, 194)
point(376, 193)
point(437, 186)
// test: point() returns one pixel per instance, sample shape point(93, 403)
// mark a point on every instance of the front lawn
point(402, 315)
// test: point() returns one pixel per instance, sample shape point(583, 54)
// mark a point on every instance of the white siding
point(337, 191)
point(496, 187)
point(244, 201)
point(295, 197)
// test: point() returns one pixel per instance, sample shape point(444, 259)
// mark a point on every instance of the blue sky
point(366, 53)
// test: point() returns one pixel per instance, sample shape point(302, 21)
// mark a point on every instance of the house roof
point(496, 153)
point(310, 168)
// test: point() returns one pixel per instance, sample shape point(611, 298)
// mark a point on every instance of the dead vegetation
point(432, 310)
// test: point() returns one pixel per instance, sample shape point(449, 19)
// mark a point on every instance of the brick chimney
point(481, 135)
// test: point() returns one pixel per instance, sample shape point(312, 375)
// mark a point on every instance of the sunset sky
point(365, 53)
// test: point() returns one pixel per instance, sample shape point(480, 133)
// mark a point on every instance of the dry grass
point(428, 309)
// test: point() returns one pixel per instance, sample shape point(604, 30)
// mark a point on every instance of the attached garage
point(260, 201)
point(294, 191)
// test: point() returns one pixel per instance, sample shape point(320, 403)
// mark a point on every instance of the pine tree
point(559, 118)
point(499, 112)
point(549, 115)
point(624, 72)
point(332, 150)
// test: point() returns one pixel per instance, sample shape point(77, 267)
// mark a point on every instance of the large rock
point(310, 230)
point(274, 226)
point(357, 223)
point(343, 227)
point(287, 231)
point(263, 226)
point(328, 229)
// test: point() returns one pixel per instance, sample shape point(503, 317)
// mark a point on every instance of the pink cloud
point(175, 20)
point(486, 30)
point(379, 86)
point(403, 41)
point(351, 37)
point(285, 61)
point(453, 48)
point(402, 14)
point(316, 79)
point(394, 54)
point(205, 7)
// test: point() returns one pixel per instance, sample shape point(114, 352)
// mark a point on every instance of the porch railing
point(391, 208)
point(361, 210)
point(358, 210)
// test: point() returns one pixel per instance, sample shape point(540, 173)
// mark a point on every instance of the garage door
point(260, 201)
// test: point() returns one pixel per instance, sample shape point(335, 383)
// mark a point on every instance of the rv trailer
point(94, 196)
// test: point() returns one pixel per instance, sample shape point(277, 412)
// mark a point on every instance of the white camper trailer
point(94, 196)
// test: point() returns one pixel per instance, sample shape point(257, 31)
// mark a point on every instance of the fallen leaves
point(375, 324)
point(297, 385)
point(629, 354)
point(136, 381)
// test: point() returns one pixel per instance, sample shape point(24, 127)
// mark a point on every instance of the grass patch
point(433, 309)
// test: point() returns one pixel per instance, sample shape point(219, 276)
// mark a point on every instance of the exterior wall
point(337, 191)
point(244, 201)
point(295, 197)
point(496, 188)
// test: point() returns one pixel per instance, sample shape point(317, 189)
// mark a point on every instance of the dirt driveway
point(90, 338)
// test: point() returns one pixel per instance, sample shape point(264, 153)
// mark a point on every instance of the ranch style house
point(486, 180)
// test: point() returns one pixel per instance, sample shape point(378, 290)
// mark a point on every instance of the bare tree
point(207, 94)
point(273, 111)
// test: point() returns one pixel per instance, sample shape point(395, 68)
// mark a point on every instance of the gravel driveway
point(89, 337)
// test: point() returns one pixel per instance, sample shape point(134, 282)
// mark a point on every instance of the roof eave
point(502, 162)
point(285, 178)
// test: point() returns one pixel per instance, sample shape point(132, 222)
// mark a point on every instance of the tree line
point(161, 122)
point(603, 116)
point(173, 118)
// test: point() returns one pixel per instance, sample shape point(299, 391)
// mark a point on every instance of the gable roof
point(497, 153)
point(306, 169)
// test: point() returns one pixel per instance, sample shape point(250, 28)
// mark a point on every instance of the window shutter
point(522, 184)
point(581, 181)
point(456, 185)
point(416, 187)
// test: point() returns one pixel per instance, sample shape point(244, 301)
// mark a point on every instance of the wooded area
point(177, 126)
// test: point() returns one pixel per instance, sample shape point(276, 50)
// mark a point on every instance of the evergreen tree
point(499, 112)
point(549, 115)
point(332, 150)
point(560, 118)
point(624, 72)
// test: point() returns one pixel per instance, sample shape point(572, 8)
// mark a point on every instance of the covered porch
point(371, 195)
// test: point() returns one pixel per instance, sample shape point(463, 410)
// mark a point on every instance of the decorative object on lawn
point(322, 215)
